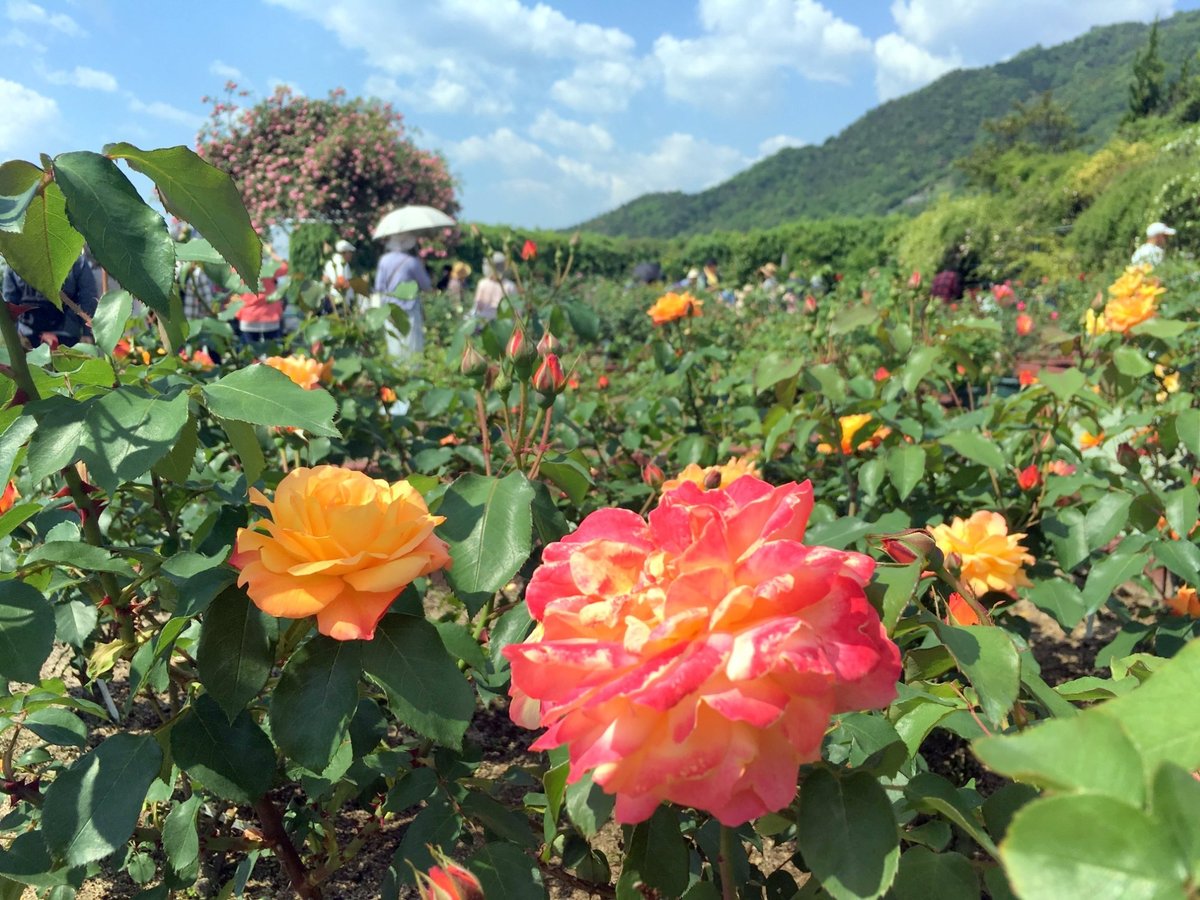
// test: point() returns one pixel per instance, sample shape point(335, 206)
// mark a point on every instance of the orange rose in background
point(713, 476)
point(672, 306)
point(1185, 603)
point(305, 371)
point(992, 559)
point(339, 545)
point(696, 657)
point(1133, 298)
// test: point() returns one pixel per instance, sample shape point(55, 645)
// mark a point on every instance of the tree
point(1041, 124)
point(1147, 90)
point(340, 161)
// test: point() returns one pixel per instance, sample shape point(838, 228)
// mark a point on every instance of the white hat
point(498, 258)
point(343, 246)
point(1157, 228)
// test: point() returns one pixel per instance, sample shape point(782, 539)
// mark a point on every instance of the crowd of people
point(266, 314)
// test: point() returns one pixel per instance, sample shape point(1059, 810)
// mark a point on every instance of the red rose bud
point(1029, 478)
point(549, 379)
point(906, 546)
point(473, 363)
point(653, 476)
point(529, 251)
point(548, 344)
point(520, 350)
point(602, 382)
point(914, 280)
point(1024, 324)
point(1127, 456)
point(882, 374)
point(810, 303)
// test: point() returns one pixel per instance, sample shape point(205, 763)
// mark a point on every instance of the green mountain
point(899, 154)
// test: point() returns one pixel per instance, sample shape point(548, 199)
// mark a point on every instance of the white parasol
point(409, 219)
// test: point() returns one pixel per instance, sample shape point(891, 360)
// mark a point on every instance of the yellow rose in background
point(1133, 299)
point(672, 306)
point(850, 426)
point(339, 545)
point(714, 476)
point(992, 559)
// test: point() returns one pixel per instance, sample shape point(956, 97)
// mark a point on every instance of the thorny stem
point(543, 445)
point(87, 509)
point(276, 837)
point(481, 415)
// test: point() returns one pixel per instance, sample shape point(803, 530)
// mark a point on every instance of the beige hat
point(343, 246)
point(693, 273)
point(769, 269)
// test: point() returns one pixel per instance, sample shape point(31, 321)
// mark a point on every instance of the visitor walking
point(493, 287)
point(261, 316)
point(401, 265)
point(1154, 250)
point(337, 274)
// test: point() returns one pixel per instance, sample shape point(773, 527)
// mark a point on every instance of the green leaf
point(505, 873)
point(234, 657)
point(234, 760)
point(1165, 329)
point(774, 368)
point(108, 324)
point(47, 246)
point(1086, 754)
point(128, 238)
point(437, 825)
point(84, 557)
point(261, 395)
point(1182, 507)
point(1105, 518)
point(1063, 385)
point(892, 589)
point(244, 440)
point(906, 468)
point(426, 690)
point(181, 842)
point(17, 516)
point(19, 182)
point(74, 622)
point(177, 465)
point(27, 861)
point(583, 320)
point(1087, 845)
point(975, 447)
point(499, 819)
point(203, 195)
point(1068, 536)
point(1177, 804)
point(1181, 557)
point(11, 442)
point(60, 428)
point(988, 657)
point(588, 807)
point(920, 363)
point(1132, 362)
point(127, 431)
point(57, 726)
point(657, 855)
point(928, 792)
point(925, 875)
point(567, 474)
point(316, 695)
point(92, 807)
point(853, 317)
point(1061, 599)
point(1113, 570)
point(847, 833)
point(489, 529)
point(26, 631)
point(1187, 426)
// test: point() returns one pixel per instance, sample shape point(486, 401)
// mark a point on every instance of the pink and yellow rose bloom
point(338, 545)
point(696, 657)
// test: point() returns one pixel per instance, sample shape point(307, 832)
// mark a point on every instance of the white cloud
point(934, 36)
point(15, 37)
point(168, 113)
point(550, 128)
point(226, 71)
point(773, 145)
point(601, 86)
point(901, 66)
point(28, 116)
point(504, 147)
point(83, 77)
point(447, 88)
point(22, 11)
point(747, 43)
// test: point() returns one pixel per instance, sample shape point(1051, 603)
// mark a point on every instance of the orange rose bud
point(549, 379)
point(10, 496)
point(961, 612)
point(548, 344)
point(602, 382)
point(448, 881)
point(1024, 324)
point(1029, 478)
point(387, 395)
point(473, 363)
point(914, 280)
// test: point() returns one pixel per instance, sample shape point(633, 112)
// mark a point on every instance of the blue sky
point(547, 112)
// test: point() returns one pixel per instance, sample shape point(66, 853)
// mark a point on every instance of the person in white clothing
point(337, 274)
point(1153, 251)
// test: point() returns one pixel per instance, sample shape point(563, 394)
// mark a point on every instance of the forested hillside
point(898, 155)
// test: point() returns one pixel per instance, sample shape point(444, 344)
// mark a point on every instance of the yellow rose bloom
point(1087, 440)
point(339, 545)
point(1133, 299)
point(672, 306)
point(1095, 324)
point(992, 559)
point(306, 372)
point(852, 425)
point(713, 476)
